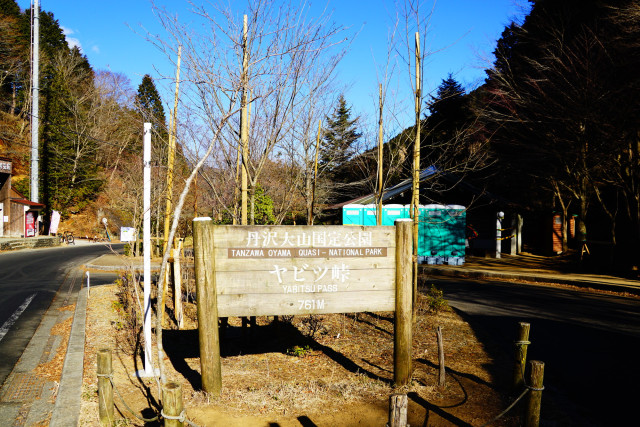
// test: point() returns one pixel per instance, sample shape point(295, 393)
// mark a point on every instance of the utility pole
point(35, 96)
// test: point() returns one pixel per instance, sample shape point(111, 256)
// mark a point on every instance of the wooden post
point(521, 344)
point(177, 284)
point(442, 372)
point(105, 389)
point(398, 410)
point(519, 233)
point(172, 406)
point(403, 315)
point(532, 415)
point(245, 326)
point(513, 247)
point(207, 306)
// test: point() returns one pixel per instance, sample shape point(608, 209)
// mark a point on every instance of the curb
point(112, 268)
point(95, 265)
point(483, 274)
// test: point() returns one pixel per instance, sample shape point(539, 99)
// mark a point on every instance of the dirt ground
point(329, 370)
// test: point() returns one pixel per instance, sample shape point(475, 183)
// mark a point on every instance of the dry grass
point(52, 370)
point(343, 378)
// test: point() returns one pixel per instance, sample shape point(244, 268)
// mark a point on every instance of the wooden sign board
point(301, 270)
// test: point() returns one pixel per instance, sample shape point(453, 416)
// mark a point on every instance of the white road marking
point(11, 320)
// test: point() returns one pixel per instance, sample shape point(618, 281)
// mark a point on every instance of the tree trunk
point(415, 191)
point(584, 205)
point(380, 157)
point(309, 198)
point(252, 205)
point(244, 125)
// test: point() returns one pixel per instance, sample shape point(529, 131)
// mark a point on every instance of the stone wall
point(11, 244)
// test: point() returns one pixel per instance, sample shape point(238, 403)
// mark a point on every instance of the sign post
point(146, 220)
point(300, 270)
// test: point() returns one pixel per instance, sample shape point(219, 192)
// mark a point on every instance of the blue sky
point(462, 36)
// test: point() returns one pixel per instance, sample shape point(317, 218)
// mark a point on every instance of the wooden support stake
point(165, 287)
point(398, 410)
point(245, 326)
point(105, 389)
point(532, 415)
point(442, 372)
point(404, 299)
point(172, 404)
point(208, 334)
point(521, 344)
point(177, 285)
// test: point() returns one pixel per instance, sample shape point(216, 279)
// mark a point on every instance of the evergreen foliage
point(340, 136)
point(562, 111)
point(9, 8)
point(444, 141)
point(70, 179)
point(263, 207)
point(449, 109)
point(150, 107)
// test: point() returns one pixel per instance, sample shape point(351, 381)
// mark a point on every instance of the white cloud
point(71, 41)
point(95, 48)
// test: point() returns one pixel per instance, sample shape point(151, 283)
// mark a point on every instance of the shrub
point(436, 301)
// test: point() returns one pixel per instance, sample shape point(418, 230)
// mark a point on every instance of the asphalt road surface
point(29, 280)
point(590, 344)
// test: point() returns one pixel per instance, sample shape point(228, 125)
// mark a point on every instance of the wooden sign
point(300, 270)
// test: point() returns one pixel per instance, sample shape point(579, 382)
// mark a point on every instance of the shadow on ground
point(589, 364)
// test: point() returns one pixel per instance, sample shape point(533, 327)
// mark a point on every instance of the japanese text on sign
point(257, 239)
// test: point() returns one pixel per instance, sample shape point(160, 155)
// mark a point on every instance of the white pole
point(88, 285)
point(146, 242)
point(499, 217)
point(35, 96)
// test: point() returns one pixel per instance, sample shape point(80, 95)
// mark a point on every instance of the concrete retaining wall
point(11, 244)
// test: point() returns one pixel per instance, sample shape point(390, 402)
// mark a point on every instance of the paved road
point(29, 279)
point(590, 344)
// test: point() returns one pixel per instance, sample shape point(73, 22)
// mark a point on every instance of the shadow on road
point(590, 364)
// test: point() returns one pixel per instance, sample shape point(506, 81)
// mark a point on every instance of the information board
point(300, 270)
point(295, 270)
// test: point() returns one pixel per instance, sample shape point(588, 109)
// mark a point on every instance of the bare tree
point(284, 45)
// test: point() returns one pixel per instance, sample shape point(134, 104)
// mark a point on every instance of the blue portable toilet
point(430, 234)
point(369, 214)
point(455, 234)
point(352, 214)
point(392, 212)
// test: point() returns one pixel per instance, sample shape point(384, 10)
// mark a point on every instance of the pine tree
point(150, 107)
point(449, 110)
point(9, 8)
point(340, 135)
point(69, 177)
